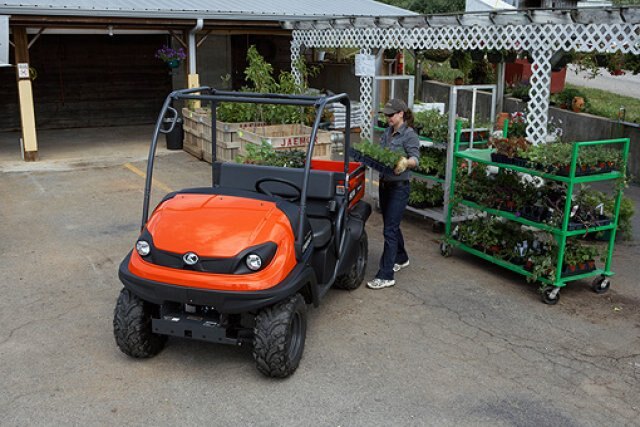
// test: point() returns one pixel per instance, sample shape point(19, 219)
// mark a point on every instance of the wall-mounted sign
point(365, 65)
point(4, 41)
point(23, 71)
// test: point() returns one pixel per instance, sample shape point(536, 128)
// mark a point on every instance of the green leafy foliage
point(265, 155)
point(259, 74)
point(432, 161)
point(433, 125)
point(423, 195)
point(593, 198)
point(429, 7)
point(565, 98)
point(378, 153)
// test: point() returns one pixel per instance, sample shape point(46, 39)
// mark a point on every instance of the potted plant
point(172, 57)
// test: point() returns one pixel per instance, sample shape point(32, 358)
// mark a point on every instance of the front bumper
point(222, 301)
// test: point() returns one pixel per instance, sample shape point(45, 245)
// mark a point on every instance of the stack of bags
point(338, 114)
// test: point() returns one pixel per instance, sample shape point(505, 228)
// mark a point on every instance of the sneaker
point(398, 267)
point(380, 283)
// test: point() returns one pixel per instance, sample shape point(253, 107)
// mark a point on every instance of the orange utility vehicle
point(238, 261)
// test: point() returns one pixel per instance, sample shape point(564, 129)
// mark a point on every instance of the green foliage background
point(430, 7)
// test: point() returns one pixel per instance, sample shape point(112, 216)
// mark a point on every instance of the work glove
point(401, 166)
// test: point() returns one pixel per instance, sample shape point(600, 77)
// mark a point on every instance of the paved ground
point(628, 84)
point(456, 342)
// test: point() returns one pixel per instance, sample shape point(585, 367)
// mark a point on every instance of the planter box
point(192, 144)
point(287, 137)
point(199, 123)
point(198, 141)
point(222, 154)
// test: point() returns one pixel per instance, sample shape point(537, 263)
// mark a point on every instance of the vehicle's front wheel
point(354, 278)
point(279, 337)
point(132, 327)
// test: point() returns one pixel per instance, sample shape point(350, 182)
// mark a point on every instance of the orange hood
point(216, 226)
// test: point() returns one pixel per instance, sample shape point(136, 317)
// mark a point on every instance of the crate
point(192, 144)
point(223, 154)
point(287, 137)
point(198, 122)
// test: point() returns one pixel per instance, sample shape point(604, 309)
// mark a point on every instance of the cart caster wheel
point(445, 249)
point(601, 284)
point(551, 295)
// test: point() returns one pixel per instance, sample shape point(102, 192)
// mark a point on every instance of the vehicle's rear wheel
point(354, 278)
point(279, 337)
point(132, 327)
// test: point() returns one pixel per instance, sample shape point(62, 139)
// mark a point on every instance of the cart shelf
point(539, 225)
point(519, 269)
point(483, 155)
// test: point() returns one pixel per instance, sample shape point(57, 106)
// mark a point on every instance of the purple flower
point(167, 54)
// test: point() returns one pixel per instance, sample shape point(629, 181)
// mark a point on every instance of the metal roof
point(206, 9)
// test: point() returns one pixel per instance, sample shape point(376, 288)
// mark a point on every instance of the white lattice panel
point(542, 40)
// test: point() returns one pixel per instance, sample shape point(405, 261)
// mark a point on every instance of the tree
point(430, 7)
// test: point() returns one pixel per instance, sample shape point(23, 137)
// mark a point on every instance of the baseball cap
point(393, 106)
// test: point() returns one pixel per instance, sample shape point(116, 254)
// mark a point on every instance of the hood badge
point(190, 258)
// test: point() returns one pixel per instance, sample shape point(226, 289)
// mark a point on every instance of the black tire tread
point(132, 327)
point(270, 337)
point(354, 278)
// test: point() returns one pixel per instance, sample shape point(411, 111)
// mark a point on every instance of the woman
point(394, 190)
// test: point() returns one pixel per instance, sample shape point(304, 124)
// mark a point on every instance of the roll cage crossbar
point(213, 96)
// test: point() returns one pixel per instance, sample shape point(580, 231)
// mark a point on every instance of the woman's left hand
point(401, 166)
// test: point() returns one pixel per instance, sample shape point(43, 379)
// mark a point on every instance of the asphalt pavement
point(627, 84)
point(456, 342)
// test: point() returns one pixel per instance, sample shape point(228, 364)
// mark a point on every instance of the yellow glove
point(401, 166)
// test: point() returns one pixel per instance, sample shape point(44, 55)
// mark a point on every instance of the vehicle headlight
point(254, 262)
point(143, 247)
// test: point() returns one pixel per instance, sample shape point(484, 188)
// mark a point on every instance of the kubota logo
point(190, 258)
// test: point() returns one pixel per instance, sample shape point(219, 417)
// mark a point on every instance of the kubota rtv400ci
point(239, 261)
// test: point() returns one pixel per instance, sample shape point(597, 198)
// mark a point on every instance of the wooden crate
point(222, 154)
point(287, 137)
point(199, 123)
point(192, 144)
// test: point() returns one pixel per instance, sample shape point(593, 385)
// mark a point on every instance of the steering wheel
point(262, 190)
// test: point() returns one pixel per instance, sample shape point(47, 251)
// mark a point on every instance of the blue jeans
point(393, 201)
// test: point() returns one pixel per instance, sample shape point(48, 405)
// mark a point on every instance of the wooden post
point(25, 95)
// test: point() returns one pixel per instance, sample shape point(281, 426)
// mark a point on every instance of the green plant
point(422, 195)
point(259, 74)
point(432, 161)
point(577, 253)
point(265, 155)
point(565, 98)
point(378, 153)
point(521, 91)
point(433, 125)
point(510, 147)
point(595, 198)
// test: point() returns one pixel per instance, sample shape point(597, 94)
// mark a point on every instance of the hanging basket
point(174, 63)
point(494, 57)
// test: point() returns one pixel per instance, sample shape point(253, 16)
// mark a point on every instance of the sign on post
point(365, 65)
point(4, 41)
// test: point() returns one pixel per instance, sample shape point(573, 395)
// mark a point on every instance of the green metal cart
point(550, 293)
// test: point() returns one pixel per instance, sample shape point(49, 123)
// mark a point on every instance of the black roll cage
point(214, 97)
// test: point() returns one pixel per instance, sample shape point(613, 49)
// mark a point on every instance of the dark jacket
point(405, 141)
